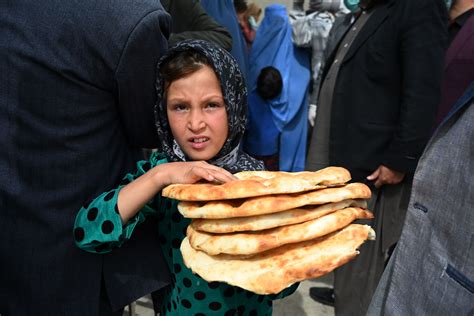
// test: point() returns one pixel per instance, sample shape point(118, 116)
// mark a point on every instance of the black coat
point(388, 88)
point(190, 21)
point(76, 105)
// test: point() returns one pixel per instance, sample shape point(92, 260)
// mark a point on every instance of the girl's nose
point(196, 121)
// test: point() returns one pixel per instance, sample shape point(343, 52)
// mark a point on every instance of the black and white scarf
point(230, 157)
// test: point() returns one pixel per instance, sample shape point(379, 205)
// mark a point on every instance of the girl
point(201, 119)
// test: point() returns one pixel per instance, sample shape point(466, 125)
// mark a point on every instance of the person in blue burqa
point(223, 11)
point(262, 137)
point(273, 47)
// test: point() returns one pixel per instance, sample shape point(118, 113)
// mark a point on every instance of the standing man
point(434, 258)
point(76, 107)
point(378, 100)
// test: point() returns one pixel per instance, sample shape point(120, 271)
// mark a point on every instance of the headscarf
point(273, 46)
point(230, 157)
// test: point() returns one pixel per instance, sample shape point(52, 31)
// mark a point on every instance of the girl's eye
point(213, 105)
point(179, 107)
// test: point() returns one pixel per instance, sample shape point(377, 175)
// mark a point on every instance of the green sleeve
point(98, 227)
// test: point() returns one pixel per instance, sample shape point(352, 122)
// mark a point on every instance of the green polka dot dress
point(98, 229)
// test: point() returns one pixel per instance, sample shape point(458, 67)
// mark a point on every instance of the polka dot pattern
point(215, 306)
point(199, 295)
point(231, 312)
point(109, 196)
point(107, 227)
point(186, 303)
point(187, 282)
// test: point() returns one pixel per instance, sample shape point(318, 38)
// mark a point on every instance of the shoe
point(323, 295)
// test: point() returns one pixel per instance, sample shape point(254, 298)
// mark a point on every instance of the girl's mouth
point(199, 142)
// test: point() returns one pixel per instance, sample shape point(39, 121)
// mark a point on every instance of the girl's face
point(197, 114)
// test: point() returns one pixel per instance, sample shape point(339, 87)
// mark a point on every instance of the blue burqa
point(223, 12)
point(273, 46)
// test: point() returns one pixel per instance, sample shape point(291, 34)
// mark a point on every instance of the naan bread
point(272, 203)
point(274, 270)
point(258, 183)
point(261, 222)
point(256, 242)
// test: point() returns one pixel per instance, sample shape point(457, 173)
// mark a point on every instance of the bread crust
point(274, 270)
point(258, 183)
point(250, 243)
point(272, 203)
point(267, 221)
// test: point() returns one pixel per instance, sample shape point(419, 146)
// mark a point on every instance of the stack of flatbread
point(268, 230)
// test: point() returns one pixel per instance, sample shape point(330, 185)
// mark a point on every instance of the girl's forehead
point(200, 82)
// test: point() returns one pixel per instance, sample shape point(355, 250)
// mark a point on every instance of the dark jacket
point(76, 105)
point(190, 21)
point(458, 69)
point(388, 88)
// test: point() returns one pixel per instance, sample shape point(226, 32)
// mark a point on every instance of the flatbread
point(276, 269)
point(251, 243)
point(272, 203)
point(267, 221)
point(258, 183)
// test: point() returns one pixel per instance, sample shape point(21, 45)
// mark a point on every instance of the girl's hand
point(191, 172)
point(133, 196)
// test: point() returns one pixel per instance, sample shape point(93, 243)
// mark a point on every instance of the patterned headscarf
point(230, 157)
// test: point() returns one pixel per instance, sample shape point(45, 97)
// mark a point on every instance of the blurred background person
point(224, 13)
point(262, 137)
point(273, 46)
point(248, 16)
point(311, 29)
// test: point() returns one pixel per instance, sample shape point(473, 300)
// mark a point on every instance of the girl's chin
point(197, 156)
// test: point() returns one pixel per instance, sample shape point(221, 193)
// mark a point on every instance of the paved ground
point(297, 304)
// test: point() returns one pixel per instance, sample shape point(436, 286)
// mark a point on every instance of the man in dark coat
point(432, 269)
point(376, 106)
point(76, 107)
